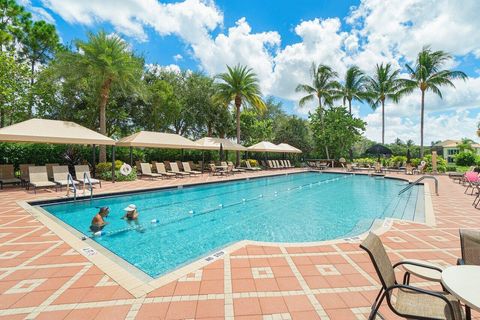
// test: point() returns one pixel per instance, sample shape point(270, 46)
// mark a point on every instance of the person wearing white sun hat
point(131, 213)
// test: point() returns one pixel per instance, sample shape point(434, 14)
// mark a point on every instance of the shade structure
point(265, 146)
point(288, 148)
point(150, 139)
point(379, 149)
point(217, 142)
point(52, 131)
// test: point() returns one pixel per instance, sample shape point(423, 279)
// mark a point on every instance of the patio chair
point(162, 171)
point(7, 175)
point(60, 176)
point(188, 169)
point(179, 165)
point(277, 163)
point(24, 174)
point(167, 165)
point(378, 167)
point(409, 169)
point(38, 178)
point(147, 171)
point(470, 245)
point(471, 179)
point(289, 164)
point(175, 170)
point(411, 302)
point(270, 164)
point(49, 167)
point(82, 173)
point(214, 171)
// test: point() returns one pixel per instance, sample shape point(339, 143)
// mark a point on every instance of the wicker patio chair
point(470, 244)
point(409, 302)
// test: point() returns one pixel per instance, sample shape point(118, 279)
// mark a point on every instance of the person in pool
point(131, 215)
point(98, 221)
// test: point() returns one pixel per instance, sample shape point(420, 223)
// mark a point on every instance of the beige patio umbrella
point(217, 142)
point(288, 148)
point(265, 146)
point(56, 132)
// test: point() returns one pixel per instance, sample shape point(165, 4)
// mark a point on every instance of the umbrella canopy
point(265, 146)
point(150, 139)
point(288, 148)
point(379, 149)
point(52, 131)
point(217, 142)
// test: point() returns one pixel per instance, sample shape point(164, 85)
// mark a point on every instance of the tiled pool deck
point(42, 277)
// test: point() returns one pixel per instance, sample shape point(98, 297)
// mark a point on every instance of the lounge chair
point(167, 165)
point(7, 175)
point(38, 178)
point(283, 163)
point(162, 171)
point(24, 173)
point(270, 164)
point(289, 164)
point(147, 171)
point(60, 176)
point(249, 167)
point(411, 302)
point(235, 170)
point(49, 167)
point(84, 170)
point(187, 169)
point(408, 169)
point(139, 167)
point(470, 245)
point(277, 163)
point(175, 170)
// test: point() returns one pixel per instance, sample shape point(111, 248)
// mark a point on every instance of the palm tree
point(106, 60)
point(353, 87)
point(384, 85)
point(427, 75)
point(324, 88)
point(240, 85)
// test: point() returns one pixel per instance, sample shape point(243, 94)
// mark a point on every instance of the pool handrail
point(418, 181)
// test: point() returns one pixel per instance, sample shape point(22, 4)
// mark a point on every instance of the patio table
point(463, 282)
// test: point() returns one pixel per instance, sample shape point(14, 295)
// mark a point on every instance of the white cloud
point(191, 19)
point(177, 57)
point(38, 13)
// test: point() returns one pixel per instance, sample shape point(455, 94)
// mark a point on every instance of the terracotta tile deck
point(42, 277)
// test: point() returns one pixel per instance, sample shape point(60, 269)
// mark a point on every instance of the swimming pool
point(190, 222)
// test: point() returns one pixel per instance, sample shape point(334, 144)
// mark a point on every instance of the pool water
point(191, 222)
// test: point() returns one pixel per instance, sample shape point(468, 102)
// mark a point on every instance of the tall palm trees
point(353, 87)
point(324, 88)
point(240, 85)
point(384, 85)
point(105, 60)
point(427, 76)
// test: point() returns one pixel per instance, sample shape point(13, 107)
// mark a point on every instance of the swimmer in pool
point(131, 215)
point(98, 222)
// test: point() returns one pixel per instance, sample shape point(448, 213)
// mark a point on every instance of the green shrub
point(104, 172)
point(365, 162)
point(441, 163)
point(397, 161)
point(465, 158)
point(451, 168)
point(253, 162)
point(415, 162)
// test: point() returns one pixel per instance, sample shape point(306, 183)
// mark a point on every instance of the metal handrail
point(70, 179)
point(87, 177)
point(417, 182)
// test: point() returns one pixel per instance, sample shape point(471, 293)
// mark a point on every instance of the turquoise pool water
point(194, 221)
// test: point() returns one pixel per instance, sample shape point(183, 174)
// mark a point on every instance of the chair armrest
point(417, 264)
point(423, 291)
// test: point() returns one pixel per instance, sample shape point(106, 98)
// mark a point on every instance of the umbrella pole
point(182, 154)
point(94, 154)
point(131, 156)
point(113, 164)
point(203, 159)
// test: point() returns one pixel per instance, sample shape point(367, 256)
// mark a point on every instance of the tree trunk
point(422, 110)
point(209, 130)
point(323, 124)
point(383, 121)
point(2, 118)
point(32, 81)
point(350, 106)
point(238, 105)
point(104, 94)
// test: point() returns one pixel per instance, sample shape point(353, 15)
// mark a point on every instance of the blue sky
point(280, 40)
